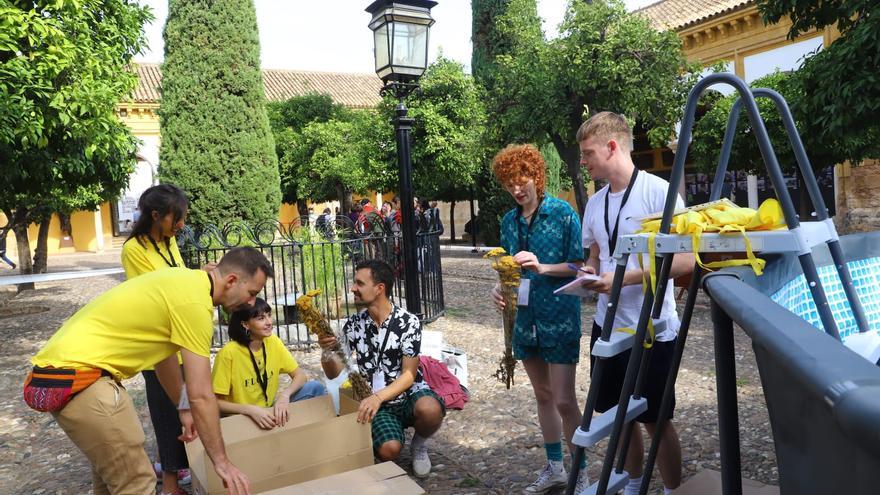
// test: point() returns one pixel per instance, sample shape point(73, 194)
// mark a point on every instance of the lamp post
point(400, 32)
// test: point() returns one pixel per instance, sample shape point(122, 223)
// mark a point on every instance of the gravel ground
point(492, 446)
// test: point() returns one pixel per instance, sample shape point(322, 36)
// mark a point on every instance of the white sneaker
point(583, 482)
point(421, 463)
point(551, 477)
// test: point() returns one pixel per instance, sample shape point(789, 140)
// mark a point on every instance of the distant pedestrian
point(324, 224)
point(3, 248)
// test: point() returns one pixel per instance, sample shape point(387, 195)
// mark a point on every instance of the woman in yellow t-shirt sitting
point(247, 369)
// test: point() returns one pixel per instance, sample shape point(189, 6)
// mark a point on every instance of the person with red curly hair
point(543, 233)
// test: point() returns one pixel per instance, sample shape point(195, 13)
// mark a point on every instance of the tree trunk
point(42, 251)
point(19, 221)
point(806, 203)
point(571, 156)
point(452, 222)
point(302, 208)
point(344, 199)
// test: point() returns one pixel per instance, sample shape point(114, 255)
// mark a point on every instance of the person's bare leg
point(635, 456)
point(668, 455)
point(428, 416)
point(169, 482)
point(539, 375)
point(562, 381)
point(389, 450)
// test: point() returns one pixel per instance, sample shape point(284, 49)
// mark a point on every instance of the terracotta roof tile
point(677, 14)
point(149, 77)
point(351, 90)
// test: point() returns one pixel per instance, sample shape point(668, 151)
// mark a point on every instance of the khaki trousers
point(102, 422)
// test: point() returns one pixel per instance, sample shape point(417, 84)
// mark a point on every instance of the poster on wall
point(126, 213)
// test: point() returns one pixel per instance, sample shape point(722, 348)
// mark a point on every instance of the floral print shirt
point(404, 339)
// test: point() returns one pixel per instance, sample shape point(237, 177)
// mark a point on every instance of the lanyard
point(173, 262)
point(384, 343)
point(523, 246)
point(612, 236)
point(263, 379)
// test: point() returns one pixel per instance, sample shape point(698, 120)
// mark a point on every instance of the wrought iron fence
point(320, 256)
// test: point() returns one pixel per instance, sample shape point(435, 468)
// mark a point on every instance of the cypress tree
point(216, 139)
point(489, 43)
point(486, 41)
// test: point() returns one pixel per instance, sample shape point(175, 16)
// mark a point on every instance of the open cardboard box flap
point(381, 479)
point(313, 444)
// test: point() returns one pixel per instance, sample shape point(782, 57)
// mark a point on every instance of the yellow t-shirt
point(136, 324)
point(234, 377)
point(138, 259)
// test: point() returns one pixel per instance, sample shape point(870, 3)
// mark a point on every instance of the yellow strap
point(756, 263)
point(651, 262)
point(649, 339)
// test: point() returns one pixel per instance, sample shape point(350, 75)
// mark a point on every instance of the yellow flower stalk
point(509, 274)
point(318, 325)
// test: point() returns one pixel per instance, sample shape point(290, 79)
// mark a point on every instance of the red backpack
point(443, 382)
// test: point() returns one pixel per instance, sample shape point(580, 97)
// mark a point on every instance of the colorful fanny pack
point(50, 389)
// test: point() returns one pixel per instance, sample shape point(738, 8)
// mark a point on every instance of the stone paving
point(492, 446)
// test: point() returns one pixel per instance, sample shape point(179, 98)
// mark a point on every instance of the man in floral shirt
point(387, 341)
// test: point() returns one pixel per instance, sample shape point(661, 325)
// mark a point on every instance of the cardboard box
point(708, 482)
point(382, 479)
point(315, 443)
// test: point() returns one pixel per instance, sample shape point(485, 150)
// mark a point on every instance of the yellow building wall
point(141, 118)
point(82, 226)
point(54, 244)
point(288, 213)
point(107, 224)
point(734, 36)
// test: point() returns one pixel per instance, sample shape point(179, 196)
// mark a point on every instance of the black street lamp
point(400, 31)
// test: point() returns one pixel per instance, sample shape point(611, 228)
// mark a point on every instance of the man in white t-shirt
point(605, 142)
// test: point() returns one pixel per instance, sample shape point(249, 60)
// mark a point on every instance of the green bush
point(320, 264)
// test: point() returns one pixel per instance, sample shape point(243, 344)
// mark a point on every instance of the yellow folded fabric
point(722, 219)
point(719, 218)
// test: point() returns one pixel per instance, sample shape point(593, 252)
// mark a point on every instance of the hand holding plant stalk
point(317, 324)
point(509, 275)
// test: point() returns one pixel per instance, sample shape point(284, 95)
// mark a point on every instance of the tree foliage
point(745, 155)
point(604, 59)
point(327, 151)
point(448, 132)
point(216, 140)
point(490, 42)
point(840, 85)
point(288, 119)
point(64, 66)
point(350, 154)
point(557, 179)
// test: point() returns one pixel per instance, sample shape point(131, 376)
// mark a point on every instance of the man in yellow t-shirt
point(139, 323)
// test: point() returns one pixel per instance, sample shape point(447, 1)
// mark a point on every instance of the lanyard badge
point(612, 235)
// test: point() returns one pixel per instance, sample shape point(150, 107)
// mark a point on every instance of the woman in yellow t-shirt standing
point(247, 369)
point(151, 246)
